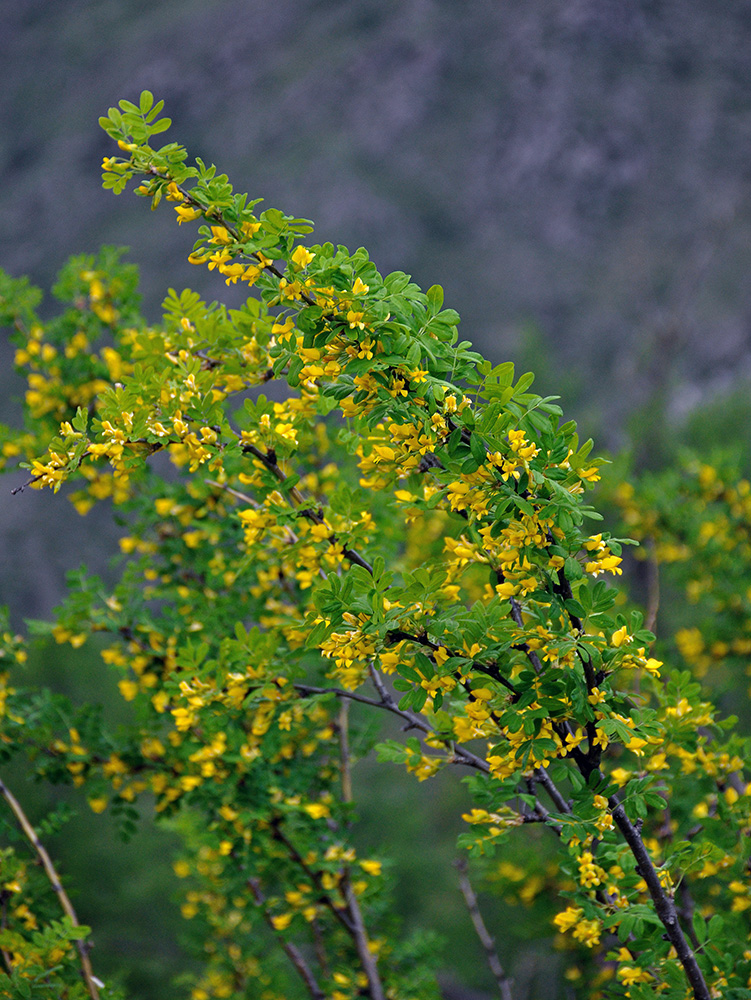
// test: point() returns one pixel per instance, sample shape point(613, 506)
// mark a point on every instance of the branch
point(664, 905)
point(349, 917)
point(414, 721)
point(269, 460)
point(504, 983)
point(460, 754)
point(341, 914)
point(360, 937)
point(489, 669)
point(54, 880)
point(542, 777)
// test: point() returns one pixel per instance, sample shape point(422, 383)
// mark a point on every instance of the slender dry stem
point(54, 880)
point(487, 942)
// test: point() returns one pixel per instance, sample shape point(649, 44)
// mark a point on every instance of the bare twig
point(54, 880)
point(487, 942)
point(360, 937)
point(311, 513)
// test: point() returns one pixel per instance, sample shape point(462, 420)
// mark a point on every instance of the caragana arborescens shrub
point(403, 530)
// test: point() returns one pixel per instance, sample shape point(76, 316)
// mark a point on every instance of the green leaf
point(435, 298)
point(476, 446)
point(504, 373)
point(160, 126)
point(524, 383)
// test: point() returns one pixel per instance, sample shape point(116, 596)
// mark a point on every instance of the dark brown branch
point(663, 904)
point(534, 659)
point(542, 777)
point(489, 669)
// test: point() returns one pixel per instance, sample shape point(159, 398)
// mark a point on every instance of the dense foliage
point(397, 527)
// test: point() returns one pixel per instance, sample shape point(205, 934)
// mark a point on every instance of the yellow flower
point(371, 867)
point(186, 214)
point(128, 689)
point(620, 636)
point(568, 918)
point(317, 810)
point(301, 257)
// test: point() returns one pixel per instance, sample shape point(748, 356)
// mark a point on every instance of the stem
point(664, 906)
point(360, 937)
point(487, 942)
point(54, 880)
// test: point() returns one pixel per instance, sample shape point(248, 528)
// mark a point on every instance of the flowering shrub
point(404, 529)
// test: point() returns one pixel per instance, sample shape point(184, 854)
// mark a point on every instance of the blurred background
point(576, 175)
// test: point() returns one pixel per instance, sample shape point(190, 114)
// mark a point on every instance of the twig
point(54, 880)
point(341, 913)
point(360, 937)
point(461, 755)
point(663, 904)
point(269, 460)
point(487, 942)
point(291, 951)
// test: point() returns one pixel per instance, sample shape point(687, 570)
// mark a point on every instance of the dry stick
point(54, 880)
point(292, 952)
point(367, 958)
point(488, 943)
